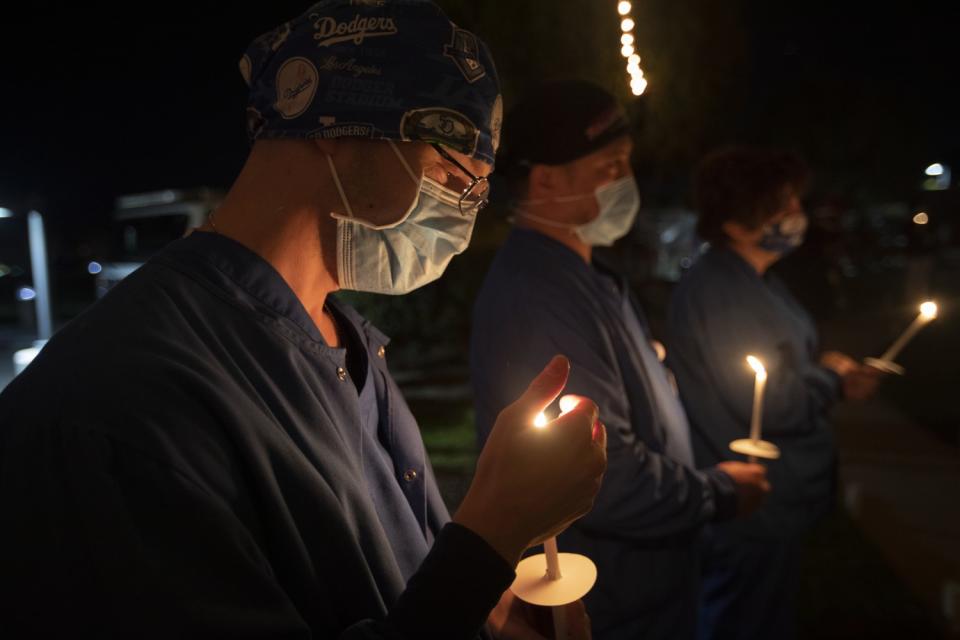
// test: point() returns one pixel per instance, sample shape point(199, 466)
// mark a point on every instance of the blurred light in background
point(921, 218)
point(26, 293)
point(938, 177)
point(94, 268)
point(638, 83)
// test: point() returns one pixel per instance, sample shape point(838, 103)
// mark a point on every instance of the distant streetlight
point(41, 279)
point(921, 218)
point(938, 177)
point(40, 291)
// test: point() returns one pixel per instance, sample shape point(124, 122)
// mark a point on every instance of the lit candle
point(761, 382)
point(753, 447)
point(567, 404)
point(550, 552)
point(928, 313)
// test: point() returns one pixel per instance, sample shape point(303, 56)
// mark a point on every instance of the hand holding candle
point(530, 484)
point(887, 362)
point(754, 447)
point(541, 580)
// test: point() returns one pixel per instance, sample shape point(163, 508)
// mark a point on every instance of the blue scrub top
point(721, 311)
point(188, 458)
point(540, 299)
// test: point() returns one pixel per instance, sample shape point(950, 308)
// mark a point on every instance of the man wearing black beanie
point(566, 156)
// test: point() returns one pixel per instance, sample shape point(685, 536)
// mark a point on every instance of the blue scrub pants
point(749, 587)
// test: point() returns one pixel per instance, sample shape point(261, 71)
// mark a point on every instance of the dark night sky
point(889, 73)
point(98, 102)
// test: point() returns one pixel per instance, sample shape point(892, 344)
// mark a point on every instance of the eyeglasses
point(476, 194)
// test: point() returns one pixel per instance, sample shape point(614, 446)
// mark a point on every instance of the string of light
point(638, 83)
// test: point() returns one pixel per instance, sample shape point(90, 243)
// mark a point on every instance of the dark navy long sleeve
point(189, 459)
point(720, 312)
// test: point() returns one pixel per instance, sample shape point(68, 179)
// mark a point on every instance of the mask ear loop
point(557, 200)
point(350, 217)
point(403, 161)
point(520, 213)
point(343, 195)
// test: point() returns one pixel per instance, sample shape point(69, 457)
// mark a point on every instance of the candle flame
point(757, 366)
point(568, 404)
point(540, 421)
point(929, 310)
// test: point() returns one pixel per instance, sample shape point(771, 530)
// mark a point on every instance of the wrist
point(501, 536)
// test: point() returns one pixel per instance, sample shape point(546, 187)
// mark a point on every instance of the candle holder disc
point(578, 575)
point(756, 448)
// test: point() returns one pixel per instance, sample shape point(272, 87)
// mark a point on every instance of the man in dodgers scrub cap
point(254, 470)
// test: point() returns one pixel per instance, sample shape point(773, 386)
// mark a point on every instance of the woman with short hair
point(727, 306)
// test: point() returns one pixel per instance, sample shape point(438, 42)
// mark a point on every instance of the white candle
point(550, 552)
point(928, 313)
point(553, 559)
point(757, 417)
point(567, 404)
point(553, 573)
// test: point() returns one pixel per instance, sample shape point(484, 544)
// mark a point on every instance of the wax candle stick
point(928, 313)
point(755, 447)
point(553, 573)
point(759, 385)
point(543, 581)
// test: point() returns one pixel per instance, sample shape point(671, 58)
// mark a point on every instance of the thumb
point(544, 389)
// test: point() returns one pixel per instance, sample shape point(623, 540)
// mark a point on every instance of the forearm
point(451, 595)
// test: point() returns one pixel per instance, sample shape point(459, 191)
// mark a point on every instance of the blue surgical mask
point(784, 236)
point(399, 257)
point(619, 202)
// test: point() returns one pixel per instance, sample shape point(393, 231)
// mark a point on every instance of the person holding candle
point(730, 305)
point(254, 470)
point(566, 160)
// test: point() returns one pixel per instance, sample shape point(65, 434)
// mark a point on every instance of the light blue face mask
point(399, 257)
point(784, 236)
point(619, 203)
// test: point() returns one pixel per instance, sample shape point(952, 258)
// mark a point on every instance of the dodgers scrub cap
point(377, 69)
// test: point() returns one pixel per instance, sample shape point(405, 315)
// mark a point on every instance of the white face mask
point(619, 202)
point(399, 257)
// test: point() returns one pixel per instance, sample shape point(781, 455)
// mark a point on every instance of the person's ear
point(543, 180)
